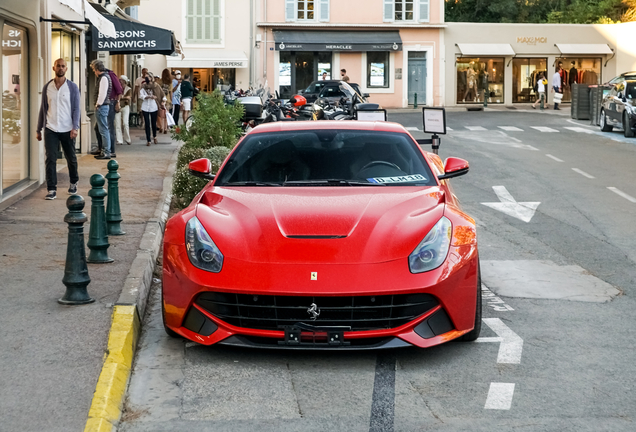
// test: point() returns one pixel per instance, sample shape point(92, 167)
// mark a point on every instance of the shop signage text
point(229, 64)
point(107, 44)
point(13, 43)
point(133, 37)
point(532, 40)
point(282, 46)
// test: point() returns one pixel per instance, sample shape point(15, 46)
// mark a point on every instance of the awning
point(486, 49)
point(337, 40)
point(584, 49)
point(133, 37)
point(218, 59)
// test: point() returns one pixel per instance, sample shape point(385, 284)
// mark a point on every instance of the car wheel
point(628, 132)
point(171, 333)
point(603, 121)
point(474, 333)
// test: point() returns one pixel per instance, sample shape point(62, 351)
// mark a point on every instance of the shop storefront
point(225, 70)
point(503, 62)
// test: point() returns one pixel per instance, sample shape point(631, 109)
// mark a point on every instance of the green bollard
point(98, 233)
point(76, 276)
point(485, 98)
point(113, 212)
point(415, 100)
point(542, 100)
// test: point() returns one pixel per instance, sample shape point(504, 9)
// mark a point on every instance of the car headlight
point(432, 251)
point(202, 251)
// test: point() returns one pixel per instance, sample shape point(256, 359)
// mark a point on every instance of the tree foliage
point(541, 11)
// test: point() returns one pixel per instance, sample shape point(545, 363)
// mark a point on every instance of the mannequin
point(574, 74)
point(471, 83)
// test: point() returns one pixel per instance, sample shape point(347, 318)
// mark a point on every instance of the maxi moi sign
point(134, 38)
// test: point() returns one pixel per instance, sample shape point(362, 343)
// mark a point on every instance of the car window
point(631, 91)
point(315, 87)
point(328, 158)
point(332, 91)
point(614, 91)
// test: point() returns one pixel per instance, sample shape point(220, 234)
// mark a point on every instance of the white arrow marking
point(508, 205)
point(511, 344)
point(500, 396)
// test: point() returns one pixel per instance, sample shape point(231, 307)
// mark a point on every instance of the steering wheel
point(373, 163)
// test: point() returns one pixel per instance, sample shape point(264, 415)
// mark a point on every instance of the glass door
point(14, 152)
point(525, 74)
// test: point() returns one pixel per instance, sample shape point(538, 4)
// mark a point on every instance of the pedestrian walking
point(123, 116)
point(151, 96)
point(60, 117)
point(187, 92)
point(176, 96)
point(166, 88)
point(138, 83)
point(557, 87)
point(541, 85)
point(103, 89)
point(343, 75)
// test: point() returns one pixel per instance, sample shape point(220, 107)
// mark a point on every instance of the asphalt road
point(555, 210)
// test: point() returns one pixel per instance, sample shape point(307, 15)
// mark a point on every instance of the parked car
point(622, 77)
point(619, 108)
point(324, 235)
point(329, 89)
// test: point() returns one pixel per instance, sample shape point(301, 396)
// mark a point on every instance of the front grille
point(270, 312)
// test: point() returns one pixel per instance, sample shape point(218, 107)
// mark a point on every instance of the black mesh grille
point(269, 312)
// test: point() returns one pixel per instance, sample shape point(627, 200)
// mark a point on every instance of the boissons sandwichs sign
point(134, 38)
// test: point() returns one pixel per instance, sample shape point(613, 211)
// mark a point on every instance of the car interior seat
point(279, 162)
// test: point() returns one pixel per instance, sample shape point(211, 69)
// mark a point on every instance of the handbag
point(558, 97)
point(170, 119)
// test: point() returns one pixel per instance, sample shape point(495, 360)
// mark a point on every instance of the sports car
point(324, 235)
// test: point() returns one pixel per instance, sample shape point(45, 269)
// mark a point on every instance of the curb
point(108, 398)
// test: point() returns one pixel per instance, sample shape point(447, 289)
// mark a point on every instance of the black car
point(329, 89)
point(622, 77)
point(619, 108)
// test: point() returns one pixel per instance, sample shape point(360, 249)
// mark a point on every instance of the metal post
point(542, 98)
point(485, 98)
point(113, 212)
point(76, 276)
point(435, 141)
point(97, 235)
point(415, 100)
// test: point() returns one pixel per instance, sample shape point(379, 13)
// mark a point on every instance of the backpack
point(116, 86)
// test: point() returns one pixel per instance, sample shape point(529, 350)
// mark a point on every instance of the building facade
point(391, 48)
point(216, 37)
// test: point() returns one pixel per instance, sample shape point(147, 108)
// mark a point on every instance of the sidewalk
point(565, 110)
point(51, 355)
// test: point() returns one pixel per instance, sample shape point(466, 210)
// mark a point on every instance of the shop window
point(477, 77)
point(203, 21)
point(297, 70)
point(406, 10)
point(324, 65)
point(305, 9)
point(525, 74)
point(14, 152)
point(377, 69)
point(577, 70)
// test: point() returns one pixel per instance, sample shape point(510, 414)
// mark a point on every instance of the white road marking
point(448, 129)
point(489, 339)
point(544, 129)
point(554, 158)
point(623, 194)
point(509, 137)
point(583, 173)
point(510, 128)
point(412, 128)
point(580, 130)
point(511, 344)
point(475, 128)
point(582, 124)
point(500, 396)
point(493, 301)
point(520, 210)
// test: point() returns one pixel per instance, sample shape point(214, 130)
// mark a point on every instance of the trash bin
point(580, 102)
point(597, 93)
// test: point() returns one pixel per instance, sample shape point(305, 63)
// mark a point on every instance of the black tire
point(628, 132)
point(474, 333)
point(603, 122)
point(171, 333)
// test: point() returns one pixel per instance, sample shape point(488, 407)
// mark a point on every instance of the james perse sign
point(134, 38)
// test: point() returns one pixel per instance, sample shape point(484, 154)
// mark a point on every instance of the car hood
point(341, 225)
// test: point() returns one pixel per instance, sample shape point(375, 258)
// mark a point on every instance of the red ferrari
point(324, 235)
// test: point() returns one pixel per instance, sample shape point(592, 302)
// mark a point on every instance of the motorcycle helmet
point(298, 100)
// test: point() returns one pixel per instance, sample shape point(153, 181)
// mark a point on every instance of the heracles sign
point(134, 38)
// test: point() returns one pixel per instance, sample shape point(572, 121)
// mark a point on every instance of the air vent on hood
point(315, 236)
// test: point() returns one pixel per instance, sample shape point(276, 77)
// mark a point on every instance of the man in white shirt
point(557, 86)
point(60, 117)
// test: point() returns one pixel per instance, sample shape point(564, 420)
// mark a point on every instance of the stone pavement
point(51, 355)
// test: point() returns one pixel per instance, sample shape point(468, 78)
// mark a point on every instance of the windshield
point(315, 87)
point(327, 157)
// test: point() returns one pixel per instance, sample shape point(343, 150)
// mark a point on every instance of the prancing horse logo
point(313, 311)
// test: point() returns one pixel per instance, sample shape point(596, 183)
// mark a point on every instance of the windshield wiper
point(330, 182)
point(250, 183)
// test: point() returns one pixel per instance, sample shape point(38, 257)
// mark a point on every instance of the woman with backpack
point(542, 82)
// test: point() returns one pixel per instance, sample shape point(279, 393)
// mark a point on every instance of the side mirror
point(454, 167)
point(365, 95)
point(201, 168)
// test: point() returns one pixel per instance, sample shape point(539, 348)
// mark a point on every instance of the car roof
point(286, 126)
point(330, 82)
